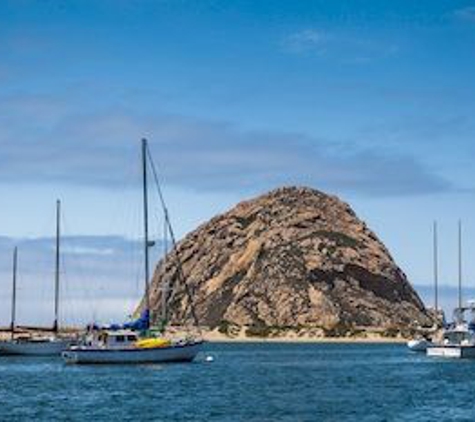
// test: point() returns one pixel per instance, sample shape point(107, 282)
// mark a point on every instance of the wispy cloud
point(307, 40)
point(51, 142)
point(101, 278)
point(466, 14)
point(343, 47)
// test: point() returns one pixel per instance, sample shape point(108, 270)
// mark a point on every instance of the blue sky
point(369, 100)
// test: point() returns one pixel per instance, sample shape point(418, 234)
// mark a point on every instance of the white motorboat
point(419, 345)
point(35, 345)
point(125, 346)
point(135, 342)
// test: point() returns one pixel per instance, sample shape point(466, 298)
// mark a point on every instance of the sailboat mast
point(15, 264)
point(145, 219)
point(57, 266)
point(436, 269)
point(164, 282)
point(460, 262)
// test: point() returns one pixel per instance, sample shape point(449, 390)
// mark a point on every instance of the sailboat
point(459, 338)
point(421, 343)
point(37, 345)
point(134, 342)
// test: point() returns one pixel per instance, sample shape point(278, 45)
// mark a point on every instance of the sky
point(368, 100)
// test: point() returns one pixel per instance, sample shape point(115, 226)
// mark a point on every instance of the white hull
point(418, 345)
point(179, 353)
point(457, 352)
point(34, 348)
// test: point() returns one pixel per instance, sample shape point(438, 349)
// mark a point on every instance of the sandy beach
point(214, 336)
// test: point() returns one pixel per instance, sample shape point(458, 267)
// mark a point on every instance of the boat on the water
point(419, 345)
point(136, 342)
point(35, 344)
point(126, 346)
point(459, 338)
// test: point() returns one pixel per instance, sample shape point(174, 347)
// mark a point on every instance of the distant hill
point(294, 257)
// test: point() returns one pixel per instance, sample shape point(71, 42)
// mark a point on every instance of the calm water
point(248, 382)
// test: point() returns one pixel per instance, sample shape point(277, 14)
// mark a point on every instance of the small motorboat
point(419, 345)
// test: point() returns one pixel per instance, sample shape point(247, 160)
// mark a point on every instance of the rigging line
point(173, 240)
point(181, 275)
point(71, 272)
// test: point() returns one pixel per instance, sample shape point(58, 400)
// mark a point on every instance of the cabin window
point(119, 339)
point(131, 338)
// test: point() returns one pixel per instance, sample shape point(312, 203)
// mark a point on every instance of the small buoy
point(209, 359)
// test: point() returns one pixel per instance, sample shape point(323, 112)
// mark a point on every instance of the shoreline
point(214, 336)
point(329, 340)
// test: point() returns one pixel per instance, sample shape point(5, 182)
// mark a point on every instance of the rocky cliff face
point(294, 257)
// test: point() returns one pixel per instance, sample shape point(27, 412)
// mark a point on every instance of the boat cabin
point(112, 339)
point(462, 330)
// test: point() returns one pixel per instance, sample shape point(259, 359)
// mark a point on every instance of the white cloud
point(466, 13)
point(305, 40)
point(344, 47)
point(100, 148)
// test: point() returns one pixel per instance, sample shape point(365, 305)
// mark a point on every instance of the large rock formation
point(294, 257)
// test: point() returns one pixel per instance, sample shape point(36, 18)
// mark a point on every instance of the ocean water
point(246, 382)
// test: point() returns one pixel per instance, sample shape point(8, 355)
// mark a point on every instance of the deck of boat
point(452, 351)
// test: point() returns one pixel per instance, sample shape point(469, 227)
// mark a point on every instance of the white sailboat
point(421, 344)
point(123, 346)
point(26, 345)
point(127, 345)
point(459, 338)
point(36, 346)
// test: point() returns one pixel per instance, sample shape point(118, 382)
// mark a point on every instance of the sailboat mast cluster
point(35, 344)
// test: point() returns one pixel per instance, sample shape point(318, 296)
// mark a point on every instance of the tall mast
point(436, 269)
point(460, 261)
point(15, 264)
point(145, 219)
point(164, 282)
point(57, 266)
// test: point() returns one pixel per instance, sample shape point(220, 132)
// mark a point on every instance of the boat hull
point(455, 352)
point(418, 345)
point(34, 348)
point(179, 353)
